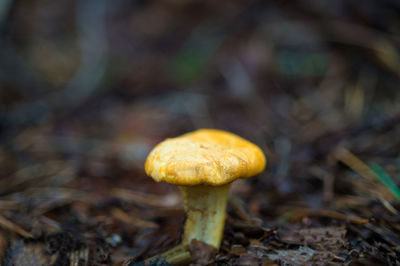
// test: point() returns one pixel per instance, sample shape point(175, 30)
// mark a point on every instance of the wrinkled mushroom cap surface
point(206, 156)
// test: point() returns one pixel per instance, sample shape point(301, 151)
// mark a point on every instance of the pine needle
point(385, 179)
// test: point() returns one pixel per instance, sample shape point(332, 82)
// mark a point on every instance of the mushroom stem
point(205, 213)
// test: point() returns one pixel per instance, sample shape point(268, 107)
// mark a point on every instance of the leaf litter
point(318, 94)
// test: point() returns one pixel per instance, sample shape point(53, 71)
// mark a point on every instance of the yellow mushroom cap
point(206, 156)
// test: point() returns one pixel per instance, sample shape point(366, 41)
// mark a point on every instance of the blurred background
point(88, 87)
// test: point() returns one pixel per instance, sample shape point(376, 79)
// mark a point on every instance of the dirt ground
point(89, 87)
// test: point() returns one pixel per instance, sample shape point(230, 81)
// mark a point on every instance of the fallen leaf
point(201, 252)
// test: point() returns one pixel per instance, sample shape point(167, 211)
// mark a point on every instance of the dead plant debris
point(88, 89)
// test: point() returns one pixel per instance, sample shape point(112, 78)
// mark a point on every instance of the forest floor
point(316, 88)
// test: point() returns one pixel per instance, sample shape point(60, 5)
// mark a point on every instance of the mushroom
point(203, 164)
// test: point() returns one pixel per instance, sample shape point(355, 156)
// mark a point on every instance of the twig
point(145, 198)
point(123, 216)
point(178, 255)
point(303, 212)
point(7, 224)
